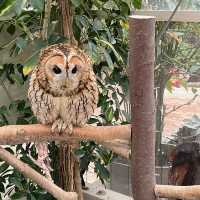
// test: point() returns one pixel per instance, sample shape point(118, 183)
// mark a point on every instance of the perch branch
point(17, 134)
point(27, 171)
point(178, 192)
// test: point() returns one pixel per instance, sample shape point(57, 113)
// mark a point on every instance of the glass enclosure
point(189, 5)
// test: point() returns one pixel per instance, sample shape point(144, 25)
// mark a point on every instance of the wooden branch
point(141, 79)
point(27, 171)
point(17, 134)
point(178, 192)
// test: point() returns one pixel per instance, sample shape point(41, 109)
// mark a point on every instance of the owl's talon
point(83, 125)
point(69, 130)
point(54, 127)
point(60, 127)
point(57, 126)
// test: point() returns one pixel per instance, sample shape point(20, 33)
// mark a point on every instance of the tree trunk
point(67, 20)
point(161, 80)
point(69, 171)
point(141, 78)
point(159, 114)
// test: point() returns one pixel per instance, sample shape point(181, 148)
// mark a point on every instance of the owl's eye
point(74, 70)
point(56, 69)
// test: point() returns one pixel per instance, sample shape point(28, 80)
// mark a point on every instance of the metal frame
point(180, 16)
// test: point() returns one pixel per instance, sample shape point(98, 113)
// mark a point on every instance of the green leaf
point(119, 58)
point(124, 8)
point(32, 60)
point(102, 171)
point(111, 5)
point(6, 173)
point(137, 3)
point(2, 188)
point(21, 105)
point(108, 59)
point(16, 181)
point(11, 29)
point(21, 121)
point(97, 25)
point(30, 197)
point(2, 179)
point(6, 5)
point(109, 114)
point(9, 150)
point(19, 5)
point(45, 197)
point(3, 110)
point(17, 79)
point(27, 70)
point(3, 167)
point(93, 120)
point(84, 21)
point(17, 174)
point(55, 38)
point(11, 8)
point(194, 68)
point(13, 106)
point(80, 152)
point(76, 3)
point(30, 63)
point(27, 30)
point(38, 4)
point(21, 42)
point(104, 154)
point(18, 195)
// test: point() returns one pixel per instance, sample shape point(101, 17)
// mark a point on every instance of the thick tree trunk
point(69, 172)
point(67, 20)
point(141, 78)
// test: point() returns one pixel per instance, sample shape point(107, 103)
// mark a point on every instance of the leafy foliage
point(177, 60)
point(90, 152)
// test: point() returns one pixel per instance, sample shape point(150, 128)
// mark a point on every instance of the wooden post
point(141, 79)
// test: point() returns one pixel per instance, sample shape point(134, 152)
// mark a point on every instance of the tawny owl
point(63, 91)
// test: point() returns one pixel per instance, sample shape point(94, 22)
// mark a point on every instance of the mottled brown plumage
point(63, 90)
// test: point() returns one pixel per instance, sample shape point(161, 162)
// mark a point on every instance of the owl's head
point(66, 69)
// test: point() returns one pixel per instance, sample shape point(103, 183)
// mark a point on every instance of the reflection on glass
point(171, 4)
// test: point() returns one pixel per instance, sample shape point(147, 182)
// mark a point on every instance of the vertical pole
point(141, 79)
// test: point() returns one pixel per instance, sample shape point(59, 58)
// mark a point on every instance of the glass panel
point(171, 4)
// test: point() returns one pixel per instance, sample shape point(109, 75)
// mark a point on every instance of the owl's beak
point(66, 83)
